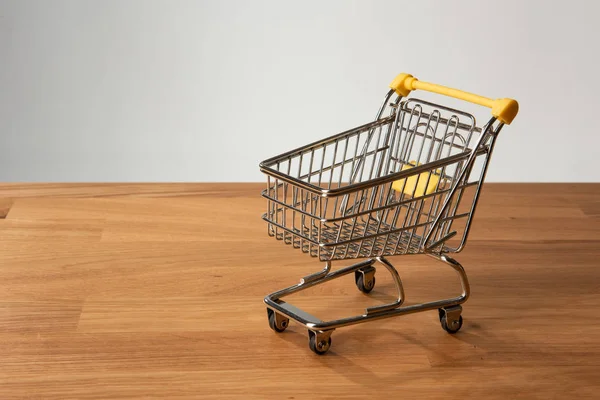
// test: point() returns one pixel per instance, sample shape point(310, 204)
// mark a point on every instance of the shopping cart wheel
point(319, 342)
point(365, 279)
point(451, 319)
point(277, 322)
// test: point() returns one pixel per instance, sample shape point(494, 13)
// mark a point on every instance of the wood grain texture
point(155, 291)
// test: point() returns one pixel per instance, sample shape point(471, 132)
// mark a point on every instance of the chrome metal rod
point(459, 179)
point(273, 300)
point(397, 281)
point(317, 275)
point(307, 284)
point(478, 190)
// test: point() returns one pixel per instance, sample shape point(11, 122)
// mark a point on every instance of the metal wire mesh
point(336, 198)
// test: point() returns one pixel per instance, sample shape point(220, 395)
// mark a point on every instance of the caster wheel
point(320, 347)
point(363, 286)
point(453, 326)
point(365, 279)
point(277, 322)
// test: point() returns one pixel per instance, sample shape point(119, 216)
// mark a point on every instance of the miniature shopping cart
point(406, 183)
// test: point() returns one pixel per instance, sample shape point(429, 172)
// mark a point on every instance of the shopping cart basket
point(406, 183)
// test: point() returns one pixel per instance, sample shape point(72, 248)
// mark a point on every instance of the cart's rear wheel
point(451, 326)
point(277, 322)
point(365, 279)
point(318, 345)
point(363, 286)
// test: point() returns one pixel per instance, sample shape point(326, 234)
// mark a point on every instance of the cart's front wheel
point(277, 322)
point(318, 344)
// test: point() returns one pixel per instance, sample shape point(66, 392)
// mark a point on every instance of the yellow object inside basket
point(417, 185)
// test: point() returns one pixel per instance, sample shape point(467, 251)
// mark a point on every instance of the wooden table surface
point(156, 290)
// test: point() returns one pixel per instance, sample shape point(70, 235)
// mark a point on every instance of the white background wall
point(154, 90)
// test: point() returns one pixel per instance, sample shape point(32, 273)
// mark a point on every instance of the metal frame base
point(320, 331)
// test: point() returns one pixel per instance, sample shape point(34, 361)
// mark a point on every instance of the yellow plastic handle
point(505, 110)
